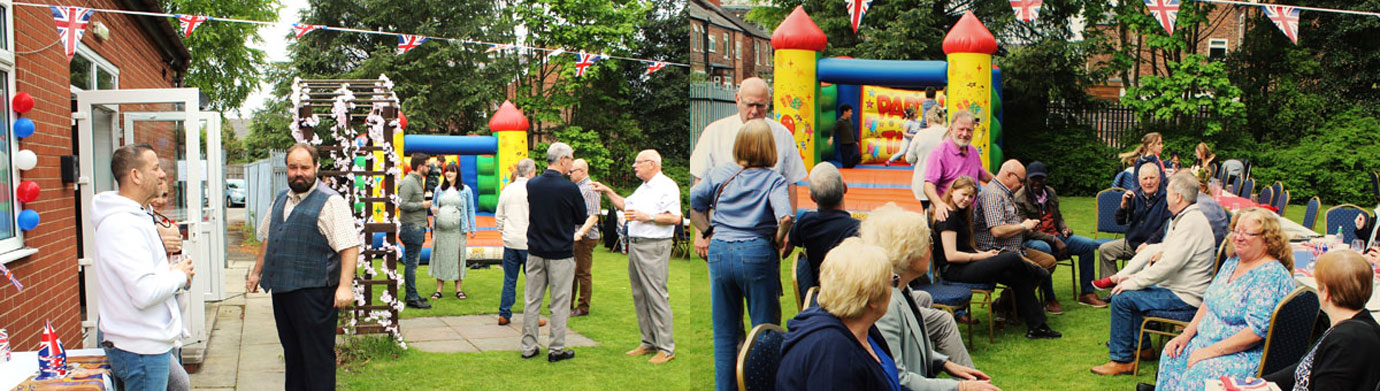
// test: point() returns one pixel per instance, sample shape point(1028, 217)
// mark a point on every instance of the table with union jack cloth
point(1234, 203)
point(18, 373)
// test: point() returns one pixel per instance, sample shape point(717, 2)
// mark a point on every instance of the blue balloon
point(28, 219)
point(23, 127)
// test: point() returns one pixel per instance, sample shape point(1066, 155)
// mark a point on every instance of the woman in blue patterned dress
point(1225, 335)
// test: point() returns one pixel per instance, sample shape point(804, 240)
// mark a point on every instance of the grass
point(1014, 362)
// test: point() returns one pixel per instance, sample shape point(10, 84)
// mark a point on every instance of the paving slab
point(452, 346)
point(429, 334)
point(486, 331)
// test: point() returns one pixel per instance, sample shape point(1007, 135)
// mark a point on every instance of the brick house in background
point(724, 48)
point(138, 52)
point(1221, 35)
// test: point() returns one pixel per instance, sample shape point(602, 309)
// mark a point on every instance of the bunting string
point(188, 23)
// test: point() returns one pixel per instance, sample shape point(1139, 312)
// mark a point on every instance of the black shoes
point(418, 304)
point(1144, 387)
point(1042, 332)
point(562, 356)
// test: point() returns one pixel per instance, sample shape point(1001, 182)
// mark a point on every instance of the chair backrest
point(760, 358)
point(1267, 196)
point(1375, 184)
point(1232, 169)
point(1344, 217)
point(1291, 329)
point(1279, 188)
point(811, 298)
point(1281, 201)
point(1233, 186)
point(1108, 201)
point(1310, 215)
point(1224, 251)
point(1247, 187)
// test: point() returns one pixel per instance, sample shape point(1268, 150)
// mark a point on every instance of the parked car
point(234, 192)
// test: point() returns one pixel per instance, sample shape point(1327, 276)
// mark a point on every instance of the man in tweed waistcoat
point(308, 263)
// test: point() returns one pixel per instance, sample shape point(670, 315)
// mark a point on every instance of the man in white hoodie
point(139, 315)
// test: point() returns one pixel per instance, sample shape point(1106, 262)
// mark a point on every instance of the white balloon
point(25, 159)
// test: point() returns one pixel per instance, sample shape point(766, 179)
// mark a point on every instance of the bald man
point(998, 225)
point(653, 211)
point(715, 146)
point(586, 238)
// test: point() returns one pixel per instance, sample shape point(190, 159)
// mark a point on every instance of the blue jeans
point(1128, 308)
point(140, 372)
point(745, 270)
point(513, 261)
point(1080, 246)
point(412, 237)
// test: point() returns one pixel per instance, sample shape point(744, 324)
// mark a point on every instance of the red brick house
point(118, 52)
point(1220, 35)
point(724, 48)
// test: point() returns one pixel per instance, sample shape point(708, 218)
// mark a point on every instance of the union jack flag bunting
point(585, 60)
point(1232, 384)
point(71, 26)
point(52, 358)
point(655, 66)
point(408, 42)
point(1027, 10)
point(1286, 18)
point(498, 47)
point(856, 9)
point(303, 29)
point(1165, 11)
point(190, 22)
point(6, 271)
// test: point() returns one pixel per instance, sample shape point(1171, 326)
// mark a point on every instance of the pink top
point(947, 162)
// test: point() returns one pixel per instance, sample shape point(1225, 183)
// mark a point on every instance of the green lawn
point(1014, 362)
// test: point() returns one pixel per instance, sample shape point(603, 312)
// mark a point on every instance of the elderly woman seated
point(835, 346)
point(1225, 335)
point(906, 237)
point(1347, 357)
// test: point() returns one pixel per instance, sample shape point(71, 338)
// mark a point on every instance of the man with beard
point(310, 240)
point(412, 214)
point(953, 159)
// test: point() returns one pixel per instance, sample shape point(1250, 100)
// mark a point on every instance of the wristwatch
point(707, 232)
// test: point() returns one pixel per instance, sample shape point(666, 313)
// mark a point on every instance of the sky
point(275, 46)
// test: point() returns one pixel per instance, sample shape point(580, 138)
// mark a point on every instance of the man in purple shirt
point(952, 159)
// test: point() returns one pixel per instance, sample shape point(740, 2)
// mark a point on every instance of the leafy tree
point(1193, 85)
point(222, 64)
point(445, 87)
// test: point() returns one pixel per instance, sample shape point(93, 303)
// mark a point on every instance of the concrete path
point(474, 333)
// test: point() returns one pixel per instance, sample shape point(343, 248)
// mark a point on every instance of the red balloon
point(22, 102)
point(27, 191)
point(402, 120)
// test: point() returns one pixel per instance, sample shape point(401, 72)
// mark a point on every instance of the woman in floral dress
point(1226, 335)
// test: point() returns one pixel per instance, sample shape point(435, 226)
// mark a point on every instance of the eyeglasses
point(895, 281)
point(1246, 235)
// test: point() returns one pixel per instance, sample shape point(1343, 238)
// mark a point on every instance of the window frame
point(12, 248)
point(98, 62)
point(712, 45)
point(1218, 43)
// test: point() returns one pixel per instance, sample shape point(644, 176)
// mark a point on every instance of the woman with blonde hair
point(906, 238)
point(1224, 338)
point(1152, 144)
point(1205, 160)
point(752, 215)
point(920, 147)
point(836, 346)
point(959, 260)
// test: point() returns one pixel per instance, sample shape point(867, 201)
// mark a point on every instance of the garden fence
point(709, 102)
point(263, 179)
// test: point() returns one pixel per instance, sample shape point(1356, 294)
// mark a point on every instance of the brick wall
point(734, 59)
point(1225, 23)
point(51, 276)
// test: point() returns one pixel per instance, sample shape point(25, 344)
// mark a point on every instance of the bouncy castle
point(809, 90)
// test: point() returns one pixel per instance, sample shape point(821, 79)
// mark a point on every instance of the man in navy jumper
point(1144, 211)
point(556, 210)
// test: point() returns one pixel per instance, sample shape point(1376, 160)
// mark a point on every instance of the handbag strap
point(720, 192)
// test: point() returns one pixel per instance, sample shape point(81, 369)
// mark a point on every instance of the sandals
point(460, 295)
point(436, 296)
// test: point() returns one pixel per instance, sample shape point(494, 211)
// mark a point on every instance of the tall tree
point(223, 65)
point(445, 87)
